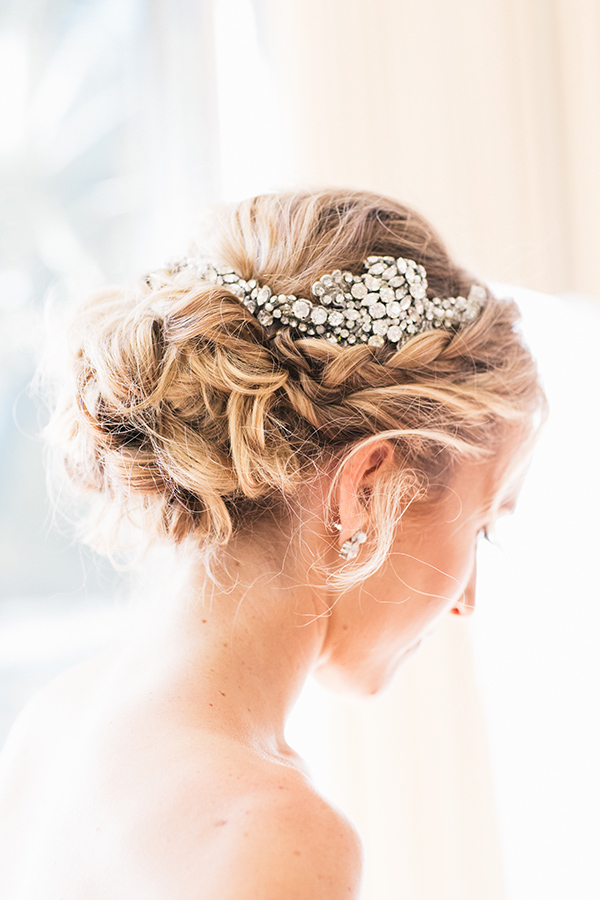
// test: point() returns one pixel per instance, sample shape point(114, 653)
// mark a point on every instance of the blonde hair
point(182, 415)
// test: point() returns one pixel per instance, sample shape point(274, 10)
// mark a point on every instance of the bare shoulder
point(52, 706)
point(31, 719)
point(294, 845)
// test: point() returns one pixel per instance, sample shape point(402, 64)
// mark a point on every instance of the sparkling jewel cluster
point(388, 303)
point(349, 549)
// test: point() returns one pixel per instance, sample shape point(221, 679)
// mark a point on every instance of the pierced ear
point(355, 484)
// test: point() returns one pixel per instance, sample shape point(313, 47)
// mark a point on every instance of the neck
point(233, 656)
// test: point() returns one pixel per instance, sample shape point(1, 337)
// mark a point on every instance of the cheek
point(435, 580)
point(458, 561)
point(411, 598)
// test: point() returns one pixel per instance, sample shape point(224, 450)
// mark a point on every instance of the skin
point(161, 769)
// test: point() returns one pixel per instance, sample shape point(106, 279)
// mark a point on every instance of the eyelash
point(485, 534)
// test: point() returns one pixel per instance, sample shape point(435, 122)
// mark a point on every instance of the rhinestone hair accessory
point(386, 304)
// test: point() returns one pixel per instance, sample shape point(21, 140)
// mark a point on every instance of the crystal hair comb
point(388, 303)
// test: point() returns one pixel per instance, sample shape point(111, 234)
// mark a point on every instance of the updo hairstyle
point(181, 415)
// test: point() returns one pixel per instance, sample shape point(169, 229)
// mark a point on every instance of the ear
point(355, 480)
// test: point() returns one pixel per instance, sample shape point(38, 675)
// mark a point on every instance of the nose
point(466, 604)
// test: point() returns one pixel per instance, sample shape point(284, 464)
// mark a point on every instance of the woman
point(318, 413)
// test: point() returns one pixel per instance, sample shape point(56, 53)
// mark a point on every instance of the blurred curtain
point(483, 115)
point(180, 127)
